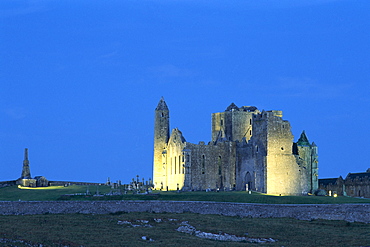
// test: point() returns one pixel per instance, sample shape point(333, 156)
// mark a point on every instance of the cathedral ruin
point(249, 150)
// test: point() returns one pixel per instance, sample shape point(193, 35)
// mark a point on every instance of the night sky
point(79, 80)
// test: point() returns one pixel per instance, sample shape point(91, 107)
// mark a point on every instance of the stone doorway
point(248, 182)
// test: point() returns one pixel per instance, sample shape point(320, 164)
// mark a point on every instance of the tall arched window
point(203, 164)
point(175, 164)
point(180, 170)
point(219, 166)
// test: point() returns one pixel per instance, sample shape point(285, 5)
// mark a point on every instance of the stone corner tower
point(26, 173)
point(282, 173)
point(161, 136)
point(308, 153)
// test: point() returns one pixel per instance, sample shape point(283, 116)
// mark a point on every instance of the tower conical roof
point(162, 106)
point(231, 107)
point(303, 140)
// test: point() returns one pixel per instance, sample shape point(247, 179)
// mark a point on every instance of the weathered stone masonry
point(347, 212)
point(249, 150)
point(355, 184)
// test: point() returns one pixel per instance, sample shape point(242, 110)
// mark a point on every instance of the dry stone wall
point(347, 212)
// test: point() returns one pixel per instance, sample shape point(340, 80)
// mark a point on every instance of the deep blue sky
point(80, 79)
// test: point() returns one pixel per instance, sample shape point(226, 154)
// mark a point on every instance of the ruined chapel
point(250, 150)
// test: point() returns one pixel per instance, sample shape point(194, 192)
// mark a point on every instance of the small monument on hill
point(26, 179)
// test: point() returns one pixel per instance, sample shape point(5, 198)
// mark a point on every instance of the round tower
point(26, 173)
point(161, 136)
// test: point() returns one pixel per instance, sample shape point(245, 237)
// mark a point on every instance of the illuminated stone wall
point(283, 174)
point(174, 161)
point(212, 166)
point(161, 136)
point(29, 182)
point(232, 125)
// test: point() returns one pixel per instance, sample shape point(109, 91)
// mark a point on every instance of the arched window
point(180, 165)
point(203, 164)
point(219, 166)
point(248, 181)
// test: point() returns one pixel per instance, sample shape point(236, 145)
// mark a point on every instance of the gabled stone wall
point(212, 165)
point(355, 185)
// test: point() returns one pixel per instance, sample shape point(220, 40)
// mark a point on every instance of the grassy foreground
point(108, 230)
point(14, 193)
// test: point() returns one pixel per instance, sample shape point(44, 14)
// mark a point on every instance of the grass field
point(52, 193)
point(14, 193)
point(108, 230)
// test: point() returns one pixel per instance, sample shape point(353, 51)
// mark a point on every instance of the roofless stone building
point(249, 150)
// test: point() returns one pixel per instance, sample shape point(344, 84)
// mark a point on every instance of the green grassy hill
point(52, 193)
point(74, 192)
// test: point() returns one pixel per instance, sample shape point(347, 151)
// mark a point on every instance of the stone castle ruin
point(249, 150)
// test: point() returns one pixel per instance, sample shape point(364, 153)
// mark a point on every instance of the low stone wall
point(64, 183)
point(347, 212)
point(7, 183)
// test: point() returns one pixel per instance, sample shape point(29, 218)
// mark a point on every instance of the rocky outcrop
point(189, 229)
